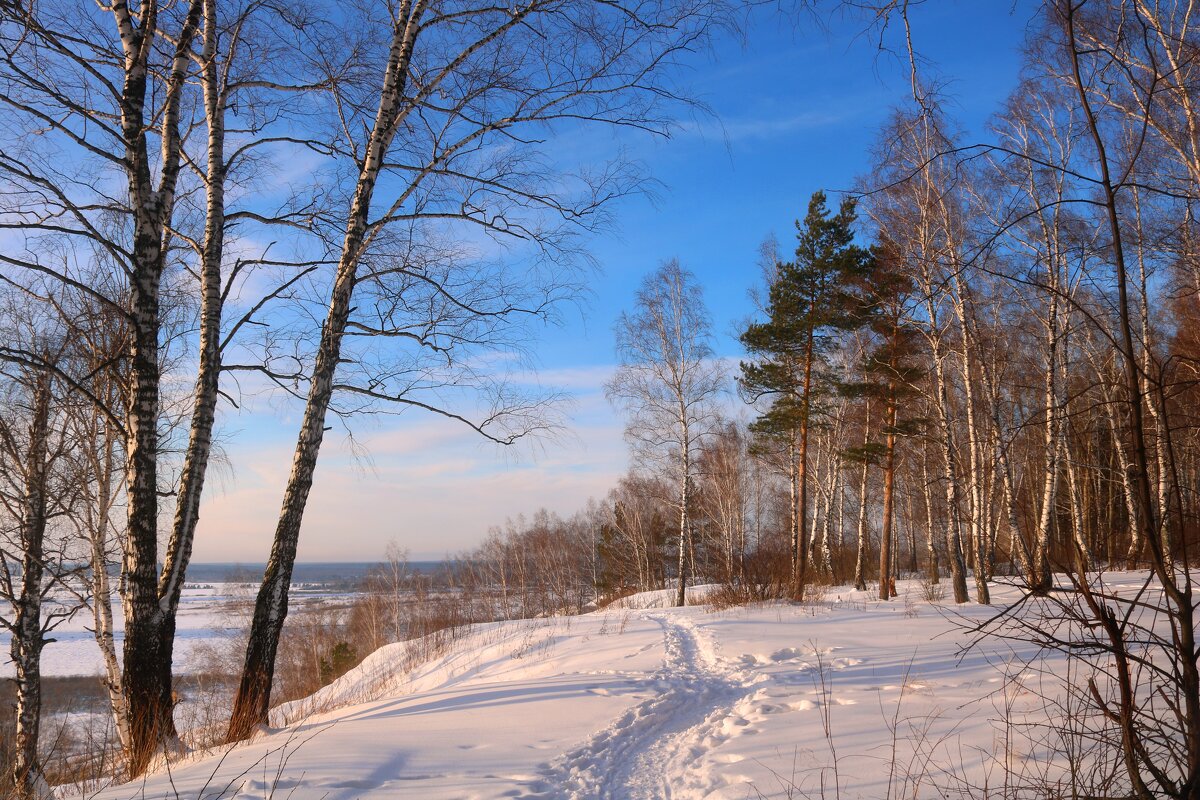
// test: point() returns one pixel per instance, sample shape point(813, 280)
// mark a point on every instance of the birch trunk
point(204, 403)
point(27, 639)
point(252, 701)
point(860, 562)
point(1016, 542)
point(1039, 578)
point(102, 617)
point(820, 509)
point(958, 570)
point(794, 509)
point(930, 545)
point(685, 485)
point(1179, 597)
point(831, 509)
point(684, 537)
point(800, 570)
point(147, 700)
point(1168, 512)
point(975, 510)
point(1082, 551)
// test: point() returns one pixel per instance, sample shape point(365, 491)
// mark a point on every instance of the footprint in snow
point(653, 750)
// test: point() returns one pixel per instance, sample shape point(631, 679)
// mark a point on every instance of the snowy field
point(846, 697)
point(206, 612)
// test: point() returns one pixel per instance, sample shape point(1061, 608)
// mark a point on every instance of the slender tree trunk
point(930, 544)
point(860, 561)
point(252, 701)
point(152, 208)
point(27, 640)
point(800, 576)
point(1039, 578)
point(958, 570)
point(913, 566)
point(1170, 513)
point(1179, 597)
point(975, 510)
point(794, 508)
point(831, 509)
point(820, 509)
point(1124, 468)
point(1016, 542)
point(102, 616)
point(889, 479)
point(1082, 551)
point(199, 447)
point(685, 499)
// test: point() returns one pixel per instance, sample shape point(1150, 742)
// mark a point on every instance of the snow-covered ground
point(847, 697)
point(206, 613)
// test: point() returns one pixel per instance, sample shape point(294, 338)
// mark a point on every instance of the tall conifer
point(810, 300)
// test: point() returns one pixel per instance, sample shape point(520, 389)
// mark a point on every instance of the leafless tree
point(128, 108)
point(37, 494)
point(667, 382)
point(724, 477)
point(107, 86)
point(443, 152)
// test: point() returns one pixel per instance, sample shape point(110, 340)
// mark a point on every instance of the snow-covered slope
point(841, 698)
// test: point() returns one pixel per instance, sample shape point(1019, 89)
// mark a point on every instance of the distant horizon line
point(318, 561)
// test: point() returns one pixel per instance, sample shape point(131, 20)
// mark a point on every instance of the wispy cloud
point(750, 128)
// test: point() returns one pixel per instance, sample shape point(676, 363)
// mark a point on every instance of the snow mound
point(664, 598)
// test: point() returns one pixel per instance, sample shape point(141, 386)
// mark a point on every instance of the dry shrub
point(931, 592)
point(767, 575)
point(729, 595)
point(8, 727)
point(608, 598)
point(816, 590)
point(306, 648)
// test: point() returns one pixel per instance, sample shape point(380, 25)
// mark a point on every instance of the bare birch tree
point(443, 149)
point(37, 496)
point(108, 87)
point(667, 382)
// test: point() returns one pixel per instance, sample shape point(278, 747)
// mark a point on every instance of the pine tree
point(889, 371)
point(811, 300)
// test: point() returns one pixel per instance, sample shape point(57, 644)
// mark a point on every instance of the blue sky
point(796, 109)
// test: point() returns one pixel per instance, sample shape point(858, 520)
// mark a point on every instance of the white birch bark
point(26, 629)
point(270, 610)
point(949, 468)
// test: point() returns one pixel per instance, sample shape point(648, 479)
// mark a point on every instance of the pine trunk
point(800, 570)
point(889, 478)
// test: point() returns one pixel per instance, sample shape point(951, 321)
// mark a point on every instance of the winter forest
point(963, 413)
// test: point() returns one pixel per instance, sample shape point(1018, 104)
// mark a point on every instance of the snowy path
point(657, 749)
point(648, 702)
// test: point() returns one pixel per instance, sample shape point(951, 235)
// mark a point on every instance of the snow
point(846, 697)
point(665, 598)
point(207, 612)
